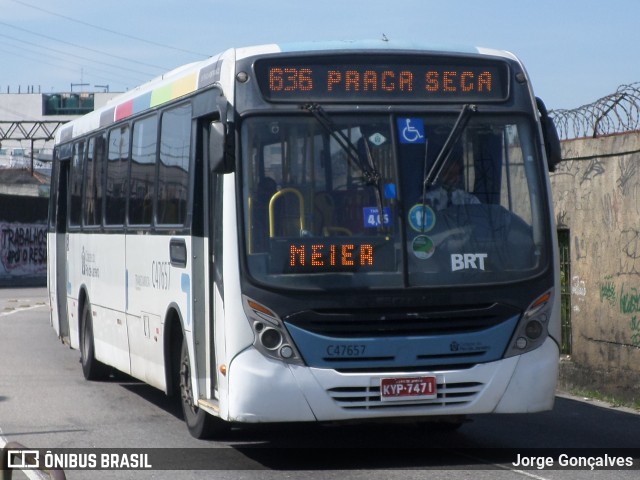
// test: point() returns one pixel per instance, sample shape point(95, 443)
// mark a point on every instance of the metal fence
point(615, 113)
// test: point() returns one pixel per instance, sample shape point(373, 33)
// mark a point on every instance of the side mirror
point(550, 136)
point(221, 157)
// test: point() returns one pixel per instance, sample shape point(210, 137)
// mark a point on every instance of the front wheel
point(200, 424)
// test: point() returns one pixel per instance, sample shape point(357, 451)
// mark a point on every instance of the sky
point(575, 51)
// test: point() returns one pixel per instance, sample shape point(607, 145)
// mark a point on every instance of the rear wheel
point(91, 368)
point(200, 423)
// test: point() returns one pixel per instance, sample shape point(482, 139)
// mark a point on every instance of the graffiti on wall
point(630, 243)
point(627, 301)
point(608, 291)
point(579, 290)
point(595, 168)
point(635, 331)
point(628, 169)
point(23, 248)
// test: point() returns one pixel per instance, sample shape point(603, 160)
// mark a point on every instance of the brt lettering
point(467, 261)
point(331, 255)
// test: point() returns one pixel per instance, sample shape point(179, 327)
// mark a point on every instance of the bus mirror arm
point(550, 136)
point(221, 147)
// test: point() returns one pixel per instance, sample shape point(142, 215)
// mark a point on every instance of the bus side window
point(100, 159)
point(173, 176)
point(143, 171)
point(117, 175)
point(75, 192)
point(92, 208)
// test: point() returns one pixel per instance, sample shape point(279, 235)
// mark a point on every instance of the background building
point(28, 123)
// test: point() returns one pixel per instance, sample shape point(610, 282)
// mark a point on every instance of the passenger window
point(117, 175)
point(173, 175)
point(75, 192)
point(143, 171)
point(94, 182)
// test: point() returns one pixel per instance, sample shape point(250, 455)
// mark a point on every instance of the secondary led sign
point(319, 255)
point(331, 255)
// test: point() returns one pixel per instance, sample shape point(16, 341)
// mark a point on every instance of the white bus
point(315, 232)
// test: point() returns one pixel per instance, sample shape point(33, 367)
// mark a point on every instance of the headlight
point(532, 329)
point(271, 337)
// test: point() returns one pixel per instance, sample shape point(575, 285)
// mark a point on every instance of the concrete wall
point(597, 197)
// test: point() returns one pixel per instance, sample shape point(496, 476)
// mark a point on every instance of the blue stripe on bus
point(404, 351)
point(185, 285)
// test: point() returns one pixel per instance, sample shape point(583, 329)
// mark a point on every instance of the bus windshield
point(374, 201)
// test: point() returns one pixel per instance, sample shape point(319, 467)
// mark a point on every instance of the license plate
point(408, 388)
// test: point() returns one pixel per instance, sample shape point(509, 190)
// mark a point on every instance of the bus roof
point(194, 76)
point(360, 45)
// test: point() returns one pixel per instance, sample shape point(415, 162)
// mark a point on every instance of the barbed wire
point(615, 113)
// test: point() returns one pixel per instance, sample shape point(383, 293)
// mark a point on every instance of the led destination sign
point(364, 79)
point(331, 255)
point(318, 256)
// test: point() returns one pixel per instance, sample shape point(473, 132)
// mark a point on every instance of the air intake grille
point(368, 322)
point(368, 398)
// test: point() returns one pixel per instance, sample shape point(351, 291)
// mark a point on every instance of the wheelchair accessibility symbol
point(411, 130)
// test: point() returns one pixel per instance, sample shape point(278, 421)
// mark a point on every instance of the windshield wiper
point(445, 152)
point(371, 175)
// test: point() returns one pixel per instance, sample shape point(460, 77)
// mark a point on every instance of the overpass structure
point(29, 130)
point(32, 131)
point(27, 118)
point(28, 124)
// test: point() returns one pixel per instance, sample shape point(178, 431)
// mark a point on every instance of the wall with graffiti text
point(23, 249)
point(597, 197)
point(23, 240)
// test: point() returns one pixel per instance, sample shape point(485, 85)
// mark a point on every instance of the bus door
point(211, 142)
point(57, 247)
point(216, 305)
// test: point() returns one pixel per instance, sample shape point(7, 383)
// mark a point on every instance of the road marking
point(6, 313)
point(521, 472)
point(503, 467)
point(30, 474)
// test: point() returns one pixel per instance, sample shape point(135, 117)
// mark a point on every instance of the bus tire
point(91, 368)
point(201, 425)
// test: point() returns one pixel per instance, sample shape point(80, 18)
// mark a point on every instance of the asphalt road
point(45, 403)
